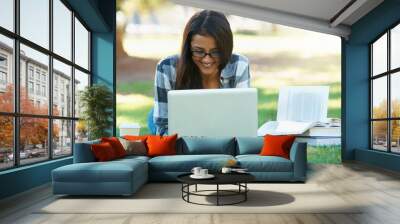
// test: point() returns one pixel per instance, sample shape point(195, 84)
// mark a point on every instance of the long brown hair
point(205, 23)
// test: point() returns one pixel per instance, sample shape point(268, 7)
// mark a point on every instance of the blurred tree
point(127, 8)
point(380, 128)
point(6, 122)
point(395, 123)
point(120, 29)
point(145, 6)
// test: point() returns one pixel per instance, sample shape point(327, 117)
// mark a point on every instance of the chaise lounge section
point(125, 176)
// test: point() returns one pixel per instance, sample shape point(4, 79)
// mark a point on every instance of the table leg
point(217, 194)
point(188, 190)
point(245, 191)
point(182, 188)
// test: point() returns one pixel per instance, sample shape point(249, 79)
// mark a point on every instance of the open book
point(284, 128)
point(299, 109)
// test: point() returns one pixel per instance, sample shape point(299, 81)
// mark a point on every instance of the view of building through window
point(385, 79)
point(31, 111)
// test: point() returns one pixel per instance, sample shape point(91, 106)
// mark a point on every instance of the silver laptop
point(213, 112)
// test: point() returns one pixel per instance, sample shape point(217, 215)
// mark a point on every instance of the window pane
point(379, 97)
point(34, 79)
point(62, 29)
point(35, 21)
point(62, 89)
point(6, 142)
point(395, 94)
point(395, 47)
point(6, 74)
point(81, 131)
point(395, 136)
point(379, 135)
point(33, 140)
point(379, 55)
point(62, 136)
point(7, 14)
point(81, 81)
point(81, 45)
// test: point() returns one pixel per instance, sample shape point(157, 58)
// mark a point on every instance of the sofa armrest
point(298, 155)
point(83, 152)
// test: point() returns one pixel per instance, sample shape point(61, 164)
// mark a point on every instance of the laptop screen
point(213, 112)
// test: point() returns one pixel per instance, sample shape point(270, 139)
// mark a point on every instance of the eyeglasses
point(202, 54)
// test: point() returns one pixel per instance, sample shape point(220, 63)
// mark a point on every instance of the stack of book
point(329, 129)
point(328, 133)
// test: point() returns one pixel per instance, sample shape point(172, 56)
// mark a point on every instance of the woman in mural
point(206, 61)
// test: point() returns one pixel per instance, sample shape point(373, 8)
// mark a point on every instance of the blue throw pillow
point(249, 145)
point(206, 145)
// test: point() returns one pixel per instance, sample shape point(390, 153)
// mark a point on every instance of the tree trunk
point(120, 36)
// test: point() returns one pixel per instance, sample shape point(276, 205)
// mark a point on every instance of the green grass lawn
point(136, 109)
point(324, 154)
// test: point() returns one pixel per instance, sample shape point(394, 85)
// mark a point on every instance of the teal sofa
point(125, 176)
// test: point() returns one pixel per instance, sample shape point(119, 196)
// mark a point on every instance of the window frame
point(388, 74)
point(16, 114)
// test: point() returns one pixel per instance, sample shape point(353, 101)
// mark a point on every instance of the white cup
point(196, 170)
point(226, 170)
point(203, 172)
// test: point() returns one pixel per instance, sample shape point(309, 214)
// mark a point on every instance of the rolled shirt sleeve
point(163, 82)
point(243, 76)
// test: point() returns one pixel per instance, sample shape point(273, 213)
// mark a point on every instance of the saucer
point(208, 176)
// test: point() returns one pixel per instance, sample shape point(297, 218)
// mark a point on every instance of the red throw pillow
point(161, 145)
point(277, 145)
point(116, 145)
point(103, 152)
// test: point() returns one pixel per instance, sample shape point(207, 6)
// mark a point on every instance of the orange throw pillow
point(116, 145)
point(277, 145)
point(161, 145)
point(103, 152)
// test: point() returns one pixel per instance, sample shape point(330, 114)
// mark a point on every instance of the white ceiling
point(316, 15)
point(321, 9)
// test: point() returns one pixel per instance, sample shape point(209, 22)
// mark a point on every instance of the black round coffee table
point(238, 179)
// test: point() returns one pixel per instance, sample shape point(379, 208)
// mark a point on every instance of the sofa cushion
point(83, 152)
point(161, 145)
point(249, 145)
point(116, 145)
point(206, 145)
point(112, 171)
point(134, 147)
point(185, 163)
point(103, 152)
point(277, 145)
point(135, 137)
point(257, 163)
point(132, 158)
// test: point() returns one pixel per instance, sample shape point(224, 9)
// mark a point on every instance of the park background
point(149, 30)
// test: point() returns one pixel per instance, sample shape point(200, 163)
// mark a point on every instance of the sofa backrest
point(205, 145)
point(249, 145)
point(83, 152)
